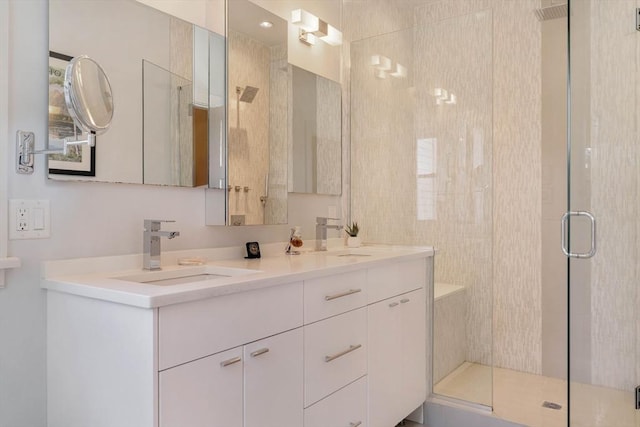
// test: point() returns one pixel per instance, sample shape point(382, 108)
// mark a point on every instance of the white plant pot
point(353, 242)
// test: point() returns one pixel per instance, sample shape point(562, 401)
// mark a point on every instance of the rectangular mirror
point(315, 147)
point(166, 99)
point(258, 80)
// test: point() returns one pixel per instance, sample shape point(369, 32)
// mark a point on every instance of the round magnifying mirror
point(88, 95)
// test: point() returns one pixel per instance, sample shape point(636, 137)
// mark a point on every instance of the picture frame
point(81, 159)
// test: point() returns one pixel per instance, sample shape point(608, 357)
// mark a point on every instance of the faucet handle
point(154, 224)
point(322, 220)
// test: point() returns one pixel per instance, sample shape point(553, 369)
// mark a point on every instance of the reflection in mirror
point(128, 39)
point(315, 148)
point(85, 110)
point(175, 133)
point(258, 111)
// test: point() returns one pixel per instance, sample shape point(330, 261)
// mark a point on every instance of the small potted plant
point(353, 241)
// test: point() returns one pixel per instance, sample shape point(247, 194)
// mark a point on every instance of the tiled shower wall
point(517, 186)
point(275, 210)
point(479, 177)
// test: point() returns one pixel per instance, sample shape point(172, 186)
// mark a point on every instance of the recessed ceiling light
point(266, 24)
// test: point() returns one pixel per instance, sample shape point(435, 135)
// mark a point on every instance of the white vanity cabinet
point(335, 354)
point(204, 327)
point(256, 385)
point(346, 407)
point(299, 346)
point(203, 393)
point(397, 344)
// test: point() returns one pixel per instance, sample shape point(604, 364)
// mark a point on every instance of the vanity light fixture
point(444, 97)
point(307, 37)
point(400, 72)
point(383, 66)
point(311, 28)
point(380, 74)
point(381, 63)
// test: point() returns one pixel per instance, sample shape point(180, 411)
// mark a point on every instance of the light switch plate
point(29, 219)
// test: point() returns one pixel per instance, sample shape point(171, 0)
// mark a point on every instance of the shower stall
point(474, 128)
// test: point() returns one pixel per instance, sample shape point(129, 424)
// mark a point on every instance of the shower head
point(247, 94)
point(552, 12)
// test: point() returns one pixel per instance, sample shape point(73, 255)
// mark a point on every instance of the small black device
point(253, 250)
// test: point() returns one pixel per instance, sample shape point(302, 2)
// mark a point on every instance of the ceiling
point(245, 17)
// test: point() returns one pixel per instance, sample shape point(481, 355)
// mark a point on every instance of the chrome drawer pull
point(405, 300)
point(342, 353)
point(231, 361)
point(356, 424)
point(343, 294)
point(259, 352)
point(393, 304)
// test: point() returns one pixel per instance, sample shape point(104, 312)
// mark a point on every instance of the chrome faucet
point(321, 231)
point(151, 236)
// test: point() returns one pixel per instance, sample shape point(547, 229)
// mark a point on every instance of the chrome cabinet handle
point(343, 294)
point(230, 361)
point(394, 304)
point(342, 353)
point(565, 250)
point(356, 424)
point(404, 300)
point(259, 352)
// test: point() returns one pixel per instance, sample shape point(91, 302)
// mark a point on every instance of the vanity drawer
point(395, 279)
point(335, 354)
point(197, 329)
point(346, 407)
point(331, 295)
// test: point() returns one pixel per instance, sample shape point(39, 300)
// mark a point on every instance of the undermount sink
point(188, 275)
point(354, 252)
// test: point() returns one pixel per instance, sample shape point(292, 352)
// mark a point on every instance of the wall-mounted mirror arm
point(25, 148)
point(65, 143)
point(89, 100)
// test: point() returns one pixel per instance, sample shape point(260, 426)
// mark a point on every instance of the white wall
point(88, 219)
point(4, 87)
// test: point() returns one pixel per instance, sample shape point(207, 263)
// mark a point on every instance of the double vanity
point(323, 339)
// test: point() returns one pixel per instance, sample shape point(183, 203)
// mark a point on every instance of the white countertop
point(98, 277)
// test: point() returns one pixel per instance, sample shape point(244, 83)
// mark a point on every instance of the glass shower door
point(603, 189)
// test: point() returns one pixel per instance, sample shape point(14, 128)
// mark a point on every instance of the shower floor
point(518, 397)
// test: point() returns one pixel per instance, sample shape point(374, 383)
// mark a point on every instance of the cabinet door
point(397, 358)
point(413, 350)
point(385, 359)
point(203, 393)
point(273, 381)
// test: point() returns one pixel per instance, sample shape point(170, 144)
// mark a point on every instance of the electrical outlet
point(29, 219)
point(22, 219)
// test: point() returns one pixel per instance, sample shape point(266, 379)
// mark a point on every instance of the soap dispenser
point(295, 241)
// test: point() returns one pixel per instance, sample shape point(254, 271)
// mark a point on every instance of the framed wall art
point(80, 159)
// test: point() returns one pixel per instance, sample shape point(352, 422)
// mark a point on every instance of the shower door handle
point(592, 251)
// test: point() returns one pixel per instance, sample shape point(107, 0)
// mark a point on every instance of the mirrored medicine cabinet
point(195, 108)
